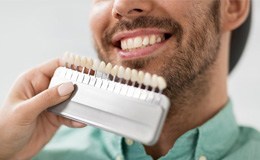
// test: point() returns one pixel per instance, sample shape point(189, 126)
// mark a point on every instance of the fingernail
point(65, 88)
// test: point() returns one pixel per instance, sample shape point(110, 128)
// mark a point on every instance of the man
point(188, 45)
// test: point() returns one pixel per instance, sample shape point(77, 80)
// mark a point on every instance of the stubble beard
point(185, 68)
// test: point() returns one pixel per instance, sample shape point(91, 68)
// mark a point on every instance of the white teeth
point(147, 79)
point(152, 40)
point(130, 43)
point(127, 75)
point(146, 41)
point(158, 39)
point(114, 70)
point(123, 45)
point(140, 42)
point(137, 42)
point(161, 83)
point(102, 66)
point(108, 68)
point(121, 72)
point(134, 75)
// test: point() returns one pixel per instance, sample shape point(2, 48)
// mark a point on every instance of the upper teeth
point(140, 42)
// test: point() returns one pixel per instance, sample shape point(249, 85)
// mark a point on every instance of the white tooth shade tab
point(134, 75)
point(108, 68)
point(140, 79)
point(90, 63)
point(114, 70)
point(77, 60)
point(127, 75)
point(161, 83)
point(65, 58)
point(154, 82)
point(71, 59)
point(95, 65)
point(84, 61)
point(102, 66)
point(147, 79)
point(121, 72)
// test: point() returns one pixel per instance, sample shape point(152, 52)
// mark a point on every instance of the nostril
point(138, 10)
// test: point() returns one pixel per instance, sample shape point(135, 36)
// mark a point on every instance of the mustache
point(170, 25)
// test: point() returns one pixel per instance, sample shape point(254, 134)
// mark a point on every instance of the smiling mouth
point(130, 44)
point(139, 43)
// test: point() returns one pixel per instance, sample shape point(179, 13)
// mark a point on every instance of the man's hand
point(25, 125)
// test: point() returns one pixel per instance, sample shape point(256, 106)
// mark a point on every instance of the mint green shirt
point(218, 139)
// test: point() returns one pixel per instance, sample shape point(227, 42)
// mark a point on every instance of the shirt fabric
point(220, 138)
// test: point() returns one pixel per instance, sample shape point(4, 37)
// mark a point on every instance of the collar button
point(203, 158)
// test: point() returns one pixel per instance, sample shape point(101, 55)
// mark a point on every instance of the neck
point(197, 107)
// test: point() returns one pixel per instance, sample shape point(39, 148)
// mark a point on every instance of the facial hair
point(184, 67)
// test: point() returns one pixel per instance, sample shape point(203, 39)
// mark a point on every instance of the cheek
point(99, 20)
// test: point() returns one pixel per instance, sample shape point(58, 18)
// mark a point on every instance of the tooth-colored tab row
point(128, 74)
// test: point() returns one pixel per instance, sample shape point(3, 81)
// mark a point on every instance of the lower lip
point(140, 52)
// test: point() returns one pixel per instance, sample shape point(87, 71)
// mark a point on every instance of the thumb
point(49, 98)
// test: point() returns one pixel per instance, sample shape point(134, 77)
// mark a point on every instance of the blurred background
point(33, 31)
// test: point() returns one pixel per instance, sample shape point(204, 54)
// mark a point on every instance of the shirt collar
point(213, 139)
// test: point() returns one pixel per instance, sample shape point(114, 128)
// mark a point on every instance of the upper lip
point(134, 33)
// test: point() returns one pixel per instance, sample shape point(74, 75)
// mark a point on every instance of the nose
point(131, 8)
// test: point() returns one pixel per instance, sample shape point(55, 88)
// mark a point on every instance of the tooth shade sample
point(77, 60)
point(147, 79)
point(71, 59)
point(84, 61)
point(154, 82)
point(90, 63)
point(95, 65)
point(102, 66)
point(161, 83)
point(121, 72)
point(65, 58)
point(140, 77)
point(127, 75)
point(134, 75)
point(108, 68)
point(114, 70)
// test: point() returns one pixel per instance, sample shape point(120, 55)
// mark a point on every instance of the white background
point(33, 31)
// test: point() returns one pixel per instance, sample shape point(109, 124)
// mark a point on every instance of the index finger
point(48, 68)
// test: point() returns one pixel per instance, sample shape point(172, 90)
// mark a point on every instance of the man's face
point(177, 39)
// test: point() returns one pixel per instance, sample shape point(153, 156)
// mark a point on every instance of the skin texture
point(194, 62)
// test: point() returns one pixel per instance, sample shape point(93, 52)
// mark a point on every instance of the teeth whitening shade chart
point(121, 100)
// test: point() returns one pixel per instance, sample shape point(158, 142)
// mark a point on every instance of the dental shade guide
point(113, 98)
